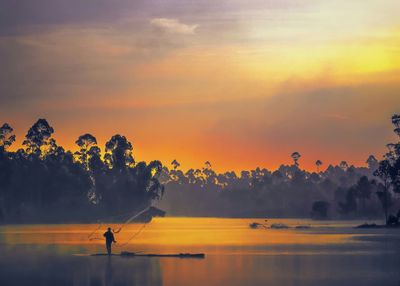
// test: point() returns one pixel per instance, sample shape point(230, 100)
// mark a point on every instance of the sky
point(238, 83)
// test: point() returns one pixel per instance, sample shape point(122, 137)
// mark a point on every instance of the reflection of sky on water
point(35, 267)
point(329, 253)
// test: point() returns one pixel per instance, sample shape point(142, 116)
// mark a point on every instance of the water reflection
point(27, 267)
point(330, 253)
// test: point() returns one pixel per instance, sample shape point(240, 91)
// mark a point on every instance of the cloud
point(173, 26)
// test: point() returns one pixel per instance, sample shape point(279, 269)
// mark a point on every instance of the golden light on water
point(235, 254)
point(163, 234)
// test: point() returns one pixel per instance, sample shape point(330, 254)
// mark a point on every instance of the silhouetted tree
point(344, 165)
point(350, 204)
point(175, 164)
point(38, 140)
point(85, 143)
point(295, 156)
point(396, 123)
point(384, 173)
point(363, 190)
point(7, 137)
point(320, 210)
point(372, 163)
point(119, 153)
point(389, 170)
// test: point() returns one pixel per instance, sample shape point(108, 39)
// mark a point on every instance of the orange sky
point(239, 83)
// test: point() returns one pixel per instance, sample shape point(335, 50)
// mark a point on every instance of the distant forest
point(43, 182)
point(334, 192)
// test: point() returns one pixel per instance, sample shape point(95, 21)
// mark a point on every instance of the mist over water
point(328, 253)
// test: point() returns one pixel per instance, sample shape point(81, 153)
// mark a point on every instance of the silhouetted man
point(109, 240)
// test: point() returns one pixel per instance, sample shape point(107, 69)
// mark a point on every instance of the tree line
point(343, 191)
point(43, 182)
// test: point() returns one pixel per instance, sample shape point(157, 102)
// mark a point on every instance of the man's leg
point(108, 245)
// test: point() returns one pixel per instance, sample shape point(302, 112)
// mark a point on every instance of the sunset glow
point(239, 83)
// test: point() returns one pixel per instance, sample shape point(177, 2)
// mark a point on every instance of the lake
point(326, 253)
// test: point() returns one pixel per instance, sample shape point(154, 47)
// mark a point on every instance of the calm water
point(328, 253)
